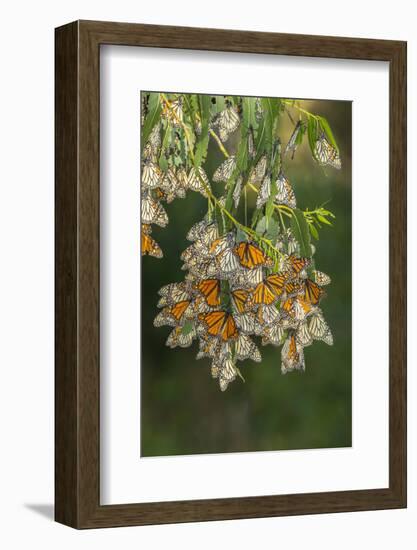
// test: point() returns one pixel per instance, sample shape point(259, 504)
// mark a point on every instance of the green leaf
point(328, 131)
point(187, 328)
point(323, 219)
point(154, 113)
point(241, 235)
point(249, 114)
point(300, 230)
point(163, 163)
point(312, 135)
point(261, 226)
point(314, 231)
point(203, 140)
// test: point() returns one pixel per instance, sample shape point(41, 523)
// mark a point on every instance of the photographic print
point(246, 273)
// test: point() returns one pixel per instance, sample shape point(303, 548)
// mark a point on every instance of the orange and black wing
point(177, 310)
point(250, 255)
point(312, 292)
point(210, 288)
point(240, 299)
point(150, 246)
point(298, 264)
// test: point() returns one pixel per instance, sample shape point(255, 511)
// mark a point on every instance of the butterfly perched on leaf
point(295, 139)
point(227, 121)
point(285, 193)
point(325, 153)
point(225, 170)
point(258, 172)
point(197, 180)
point(172, 111)
point(264, 191)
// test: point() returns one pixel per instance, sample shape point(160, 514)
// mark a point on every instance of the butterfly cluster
point(243, 286)
point(232, 293)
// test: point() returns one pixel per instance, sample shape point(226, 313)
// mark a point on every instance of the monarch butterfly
point(207, 347)
point(220, 324)
point(325, 153)
point(172, 294)
point(203, 231)
point(171, 315)
point(246, 349)
point(292, 288)
point(151, 174)
point(292, 355)
point(227, 263)
point(226, 373)
point(222, 243)
point(155, 138)
point(251, 143)
point(248, 277)
point(257, 173)
point(269, 289)
point(259, 112)
point(225, 170)
point(251, 256)
point(321, 278)
point(172, 111)
point(285, 194)
point(198, 127)
point(303, 335)
point(172, 184)
point(241, 299)
point(227, 121)
point(150, 246)
point(296, 308)
point(245, 322)
point(312, 292)
point(297, 265)
point(264, 191)
point(272, 335)
point(294, 140)
point(210, 289)
point(237, 191)
point(178, 338)
point(319, 329)
point(153, 212)
point(266, 315)
point(198, 180)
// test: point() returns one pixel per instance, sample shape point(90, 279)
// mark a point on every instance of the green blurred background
point(183, 410)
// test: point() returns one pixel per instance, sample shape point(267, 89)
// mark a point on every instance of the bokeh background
point(183, 410)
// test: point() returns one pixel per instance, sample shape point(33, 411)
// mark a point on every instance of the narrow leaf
point(300, 230)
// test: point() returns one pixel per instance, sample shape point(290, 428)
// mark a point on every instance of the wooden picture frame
point(77, 405)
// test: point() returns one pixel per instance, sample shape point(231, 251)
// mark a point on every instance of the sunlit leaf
point(299, 227)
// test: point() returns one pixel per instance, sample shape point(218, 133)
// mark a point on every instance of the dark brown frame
point(77, 274)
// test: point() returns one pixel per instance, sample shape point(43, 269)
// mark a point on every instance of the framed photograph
point(230, 274)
